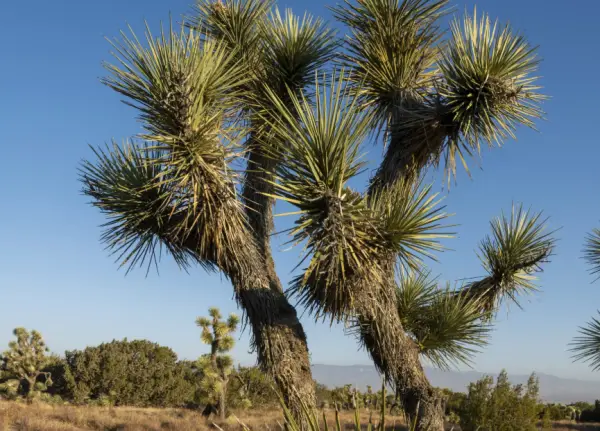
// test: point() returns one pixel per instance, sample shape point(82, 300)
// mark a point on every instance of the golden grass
point(43, 417)
point(16, 416)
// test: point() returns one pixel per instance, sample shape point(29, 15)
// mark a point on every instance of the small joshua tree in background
point(23, 362)
point(216, 366)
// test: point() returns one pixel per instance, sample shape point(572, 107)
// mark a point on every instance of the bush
point(250, 387)
point(502, 406)
point(135, 373)
point(591, 413)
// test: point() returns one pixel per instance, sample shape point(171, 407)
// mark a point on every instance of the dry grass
point(43, 417)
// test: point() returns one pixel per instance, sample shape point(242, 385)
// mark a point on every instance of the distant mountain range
point(552, 388)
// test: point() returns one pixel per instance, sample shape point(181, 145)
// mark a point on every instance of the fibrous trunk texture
point(396, 355)
point(284, 350)
point(277, 333)
point(259, 205)
point(280, 342)
point(411, 149)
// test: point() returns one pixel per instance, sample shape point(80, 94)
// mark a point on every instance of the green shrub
point(135, 373)
point(500, 406)
point(250, 387)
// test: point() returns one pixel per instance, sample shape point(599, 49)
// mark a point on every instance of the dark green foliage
point(546, 420)
point(590, 412)
point(586, 346)
point(592, 250)
point(135, 373)
point(22, 365)
point(557, 412)
point(454, 402)
point(582, 405)
point(500, 406)
point(62, 378)
point(446, 324)
point(519, 245)
point(250, 387)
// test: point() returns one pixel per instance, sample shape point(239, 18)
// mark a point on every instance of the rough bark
point(259, 206)
point(396, 355)
point(284, 343)
point(412, 146)
point(280, 341)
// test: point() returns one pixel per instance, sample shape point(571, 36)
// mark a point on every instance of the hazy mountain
point(552, 388)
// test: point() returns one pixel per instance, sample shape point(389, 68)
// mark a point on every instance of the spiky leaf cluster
point(411, 220)
point(447, 327)
point(321, 155)
point(591, 251)
point(519, 244)
point(178, 189)
point(235, 22)
point(489, 80)
point(438, 101)
point(277, 51)
point(392, 52)
point(294, 49)
point(347, 234)
point(586, 346)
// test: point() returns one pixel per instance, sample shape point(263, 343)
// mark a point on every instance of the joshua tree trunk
point(30, 385)
point(223, 400)
point(396, 355)
point(259, 205)
point(280, 341)
point(288, 352)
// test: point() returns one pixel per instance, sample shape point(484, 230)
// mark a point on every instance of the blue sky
point(56, 277)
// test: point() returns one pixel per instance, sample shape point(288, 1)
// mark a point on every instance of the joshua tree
point(178, 189)
point(586, 346)
point(239, 84)
point(24, 361)
point(216, 366)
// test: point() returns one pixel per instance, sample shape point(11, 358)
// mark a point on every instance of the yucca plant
point(236, 87)
point(586, 346)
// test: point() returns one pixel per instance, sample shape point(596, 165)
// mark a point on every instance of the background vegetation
point(141, 374)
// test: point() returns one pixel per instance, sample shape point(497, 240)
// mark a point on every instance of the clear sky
point(56, 277)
